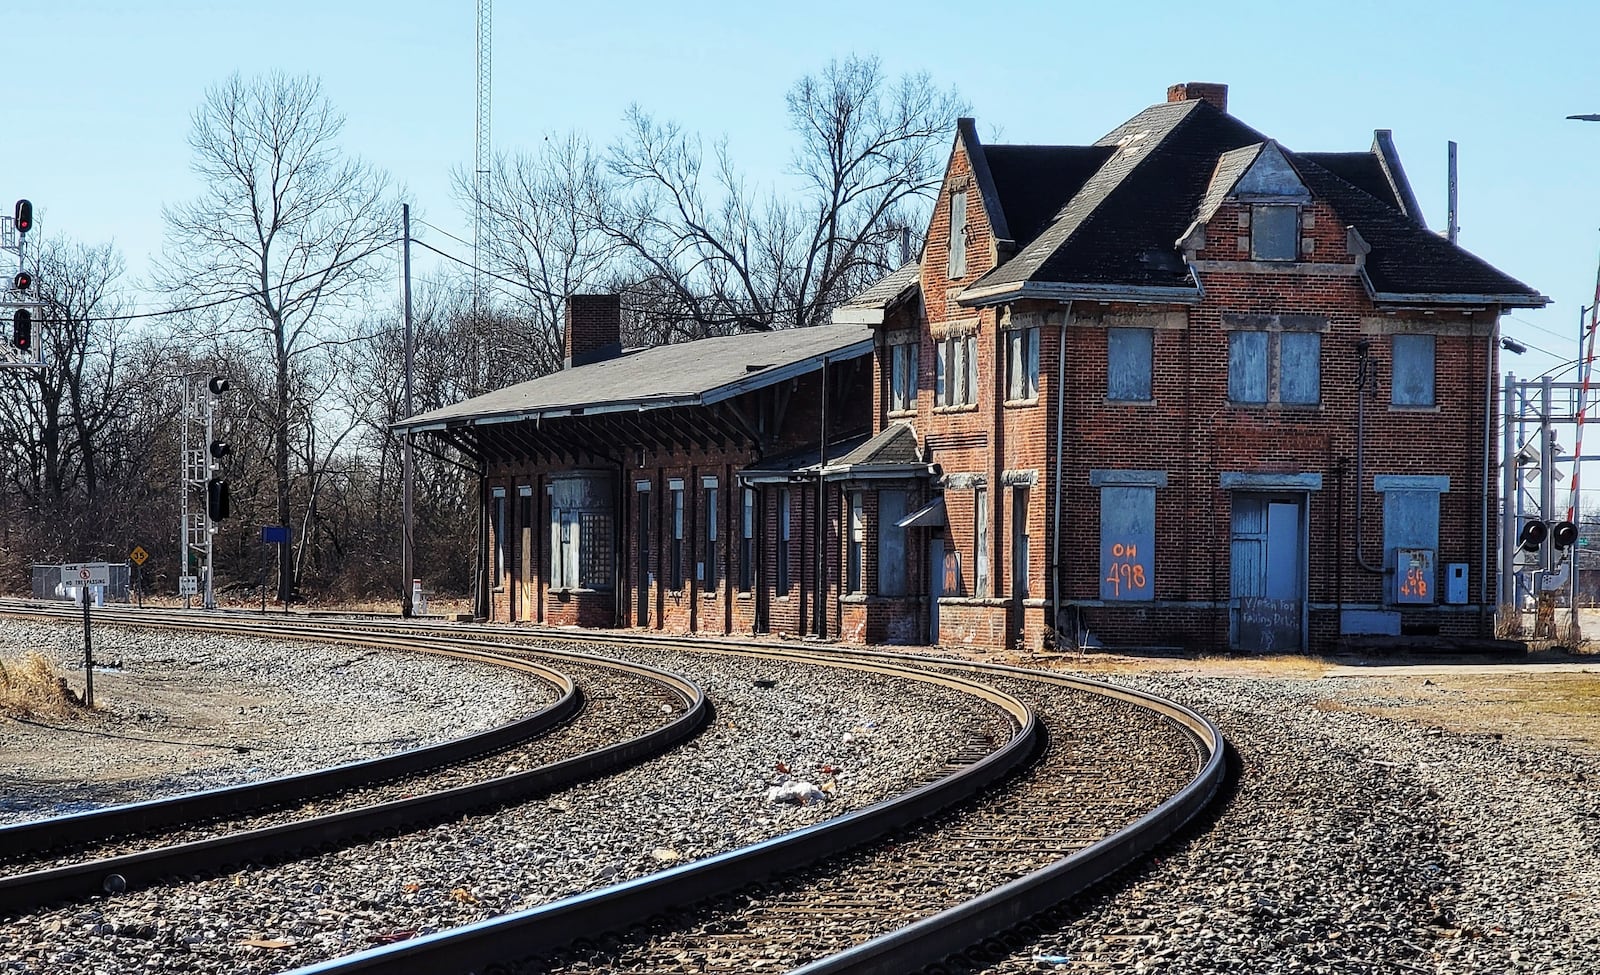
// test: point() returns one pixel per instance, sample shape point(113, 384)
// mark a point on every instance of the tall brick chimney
point(1200, 91)
point(594, 328)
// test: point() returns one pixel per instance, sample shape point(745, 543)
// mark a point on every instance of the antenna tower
point(481, 231)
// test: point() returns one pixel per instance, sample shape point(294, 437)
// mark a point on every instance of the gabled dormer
point(1271, 200)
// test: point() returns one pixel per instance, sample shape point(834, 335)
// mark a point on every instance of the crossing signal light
point(217, 507)
point(22, 329)
point(22, 282)
point(220, 449)
point(1532, 536)
point(218, 385)
point(23, 217)
point(1563, 534)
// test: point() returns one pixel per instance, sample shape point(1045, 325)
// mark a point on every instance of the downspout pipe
point(1055, 532)
point(1366, 373)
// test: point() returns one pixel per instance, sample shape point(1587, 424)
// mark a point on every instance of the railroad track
point(126, 847)
point(1002, 858)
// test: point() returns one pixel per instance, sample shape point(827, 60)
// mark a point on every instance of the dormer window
point(1274, 232)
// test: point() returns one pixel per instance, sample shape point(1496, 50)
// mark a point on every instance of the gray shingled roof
point(890, 288)
point(893, 450)
point(1116, 235)
point(687, 374)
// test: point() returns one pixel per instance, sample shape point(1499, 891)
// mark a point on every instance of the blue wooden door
point(1268, 571)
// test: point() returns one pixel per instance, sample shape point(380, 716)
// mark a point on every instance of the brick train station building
point(1182, 387)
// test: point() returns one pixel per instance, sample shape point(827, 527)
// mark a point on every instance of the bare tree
point(281, 239)
point(713, 258)
point(547, 239)
point(66, 431)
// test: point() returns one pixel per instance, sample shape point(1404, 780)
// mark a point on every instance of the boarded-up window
point(1275, 367)
point(747, 542)
point(903, 377)
point(855, 559)
point(497, 570)
point(675, 566)
point(1410, 520)
point(1413, 370)
point(582, 532)
point(1299, 367)
point(1128, 361)
point(710, 573)
point(1274, 233)
point(891, 543)
point(958, 235)
point(1022, 364)
point(1127, 542)
point(782, 555)
point(1247, 367)
point(980, 532)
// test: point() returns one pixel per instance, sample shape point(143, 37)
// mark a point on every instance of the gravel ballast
point(182, 712)
point(1356, 842)
point(858, 737)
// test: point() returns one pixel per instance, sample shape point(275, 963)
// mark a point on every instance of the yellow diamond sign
point(138, 555)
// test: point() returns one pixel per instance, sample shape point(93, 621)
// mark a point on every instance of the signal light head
point(1563, 534)
point(220, 449)
point(22, 282)
point(218, 385)
point(1532, 536)
point(23, 216)
point(22, 330)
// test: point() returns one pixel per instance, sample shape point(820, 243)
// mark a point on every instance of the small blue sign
point(275, 534)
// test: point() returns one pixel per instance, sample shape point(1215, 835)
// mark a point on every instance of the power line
point(248, 294)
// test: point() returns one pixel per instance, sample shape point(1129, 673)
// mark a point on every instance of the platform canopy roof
point(699, 373)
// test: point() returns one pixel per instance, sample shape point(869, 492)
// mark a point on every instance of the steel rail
point(23, 891)
point(950, 932)
point(470, 948)
point(473, 948)
point(128, 819)
point(918, 945)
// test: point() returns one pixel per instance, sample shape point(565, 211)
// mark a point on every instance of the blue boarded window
point(1129, 353)
point(1247, 367)
point(1413, 370)
point(1127, 542)
point(1299, 367)
point(1275, 367)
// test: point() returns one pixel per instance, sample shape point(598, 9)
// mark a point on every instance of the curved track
point(635, 922)
point(235, 846)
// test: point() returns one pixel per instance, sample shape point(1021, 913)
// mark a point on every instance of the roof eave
point(859, 316)
point(1064, 291)
point(1508, 301)
point(778, 374)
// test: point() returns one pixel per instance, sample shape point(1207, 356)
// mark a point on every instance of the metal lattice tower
point(481, 231)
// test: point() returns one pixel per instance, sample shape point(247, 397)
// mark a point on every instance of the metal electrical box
point(1414, 577)
point(1455, 584)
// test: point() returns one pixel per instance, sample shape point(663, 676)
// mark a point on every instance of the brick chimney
point(1200, 91)
point(594, 329)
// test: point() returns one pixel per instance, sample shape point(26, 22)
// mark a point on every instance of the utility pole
point(407, 605)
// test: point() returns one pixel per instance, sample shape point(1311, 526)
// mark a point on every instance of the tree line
point(278, 273)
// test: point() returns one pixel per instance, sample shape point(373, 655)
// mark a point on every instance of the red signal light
point(23, 217)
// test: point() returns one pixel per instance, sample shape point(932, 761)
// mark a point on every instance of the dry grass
point(31, 685)
point(1562, 706)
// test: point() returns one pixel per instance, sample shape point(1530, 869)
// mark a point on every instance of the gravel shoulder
point(177, 713)
point(1387, 818)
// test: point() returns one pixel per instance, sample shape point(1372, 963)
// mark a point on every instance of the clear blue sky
point(100, 94)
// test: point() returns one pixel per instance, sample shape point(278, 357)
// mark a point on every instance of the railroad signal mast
point(22, 304)
point(202, 455)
